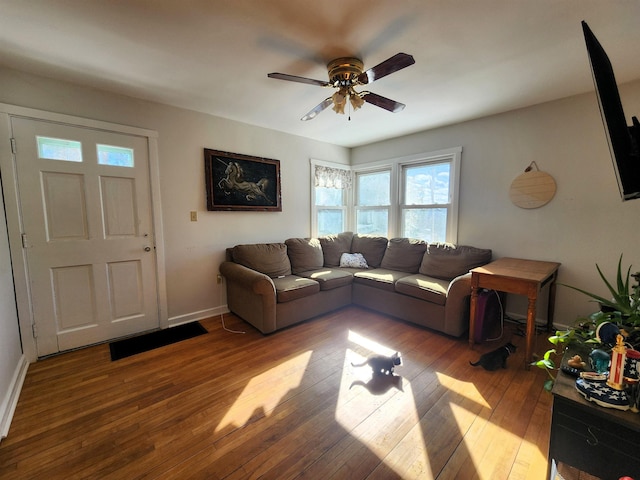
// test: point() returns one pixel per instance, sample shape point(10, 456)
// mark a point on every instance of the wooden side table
point(519, 276)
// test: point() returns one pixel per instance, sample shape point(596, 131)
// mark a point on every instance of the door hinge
point(25, 243)
point(14, 150)
point(34, 329)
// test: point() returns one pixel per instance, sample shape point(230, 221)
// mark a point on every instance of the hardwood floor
point(288, 406)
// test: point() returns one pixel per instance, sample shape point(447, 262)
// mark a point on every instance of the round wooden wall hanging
point(532, 189)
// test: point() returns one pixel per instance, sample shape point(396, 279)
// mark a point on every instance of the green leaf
point(548, 385)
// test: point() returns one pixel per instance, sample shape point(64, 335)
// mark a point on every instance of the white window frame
point(395, 165)
point(346, 207)
point(371, 169)
point(452, 157)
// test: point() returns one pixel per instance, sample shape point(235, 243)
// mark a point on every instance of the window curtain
point(329, 177)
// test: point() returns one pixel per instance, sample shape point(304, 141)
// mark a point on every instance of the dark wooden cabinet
point(600, 441)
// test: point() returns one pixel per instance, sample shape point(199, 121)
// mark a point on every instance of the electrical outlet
point(194, 216)
point(219, 279)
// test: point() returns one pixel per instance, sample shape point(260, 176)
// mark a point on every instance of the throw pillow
point(404, 254)
point(371, 247)
point(447, 261)
point(353, 260)
point(268, 258)
point(333, 246)
point(305, 254)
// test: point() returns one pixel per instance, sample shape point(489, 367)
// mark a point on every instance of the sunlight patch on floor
point(256, 397)
point(380, 411)
point(465, 389)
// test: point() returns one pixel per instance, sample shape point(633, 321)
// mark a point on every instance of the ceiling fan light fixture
point(356, 100)
point(339, 101)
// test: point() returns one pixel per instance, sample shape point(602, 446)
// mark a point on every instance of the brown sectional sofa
point(275, 285)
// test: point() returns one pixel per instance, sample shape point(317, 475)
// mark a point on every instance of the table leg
point(531, 331)
point(551, 305)
point(472, 314)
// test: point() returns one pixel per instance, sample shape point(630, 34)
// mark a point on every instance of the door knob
point(147, 249)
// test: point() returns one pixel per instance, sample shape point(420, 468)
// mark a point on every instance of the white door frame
point(14, 220)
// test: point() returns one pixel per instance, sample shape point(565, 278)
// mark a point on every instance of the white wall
point(585, 223)
point(193, 250)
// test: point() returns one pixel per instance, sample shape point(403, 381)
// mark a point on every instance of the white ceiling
point(473, 57)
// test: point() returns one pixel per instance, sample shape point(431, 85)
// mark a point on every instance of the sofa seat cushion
point(268, 258)
point(329, 278)
point(292, 287)
point(404, 254)
point(379, 278)
point(304, 254)
point(447, 261)
point(431, 289)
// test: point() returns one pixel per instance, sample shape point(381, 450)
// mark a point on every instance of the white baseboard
point(10, 401)
point(199, 315)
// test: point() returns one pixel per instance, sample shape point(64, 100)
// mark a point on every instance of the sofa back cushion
point(268, 258)
point(304, 254)
point(333, 246)
point(447, 261)
point(372, 248)
point(404, 254)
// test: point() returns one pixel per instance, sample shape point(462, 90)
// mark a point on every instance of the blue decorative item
point(601, 394)
point(599, 360)
point(607, 332)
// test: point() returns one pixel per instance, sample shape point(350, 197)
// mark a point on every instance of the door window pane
point(115, 156)
point(427, 184)
point(59, 149)
point(428, 224)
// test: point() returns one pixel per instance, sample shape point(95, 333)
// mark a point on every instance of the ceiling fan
point(346, 73)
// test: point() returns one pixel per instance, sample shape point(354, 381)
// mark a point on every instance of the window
point(426, 200)
point(373, 202)
point(329, 198)
point(414, 196)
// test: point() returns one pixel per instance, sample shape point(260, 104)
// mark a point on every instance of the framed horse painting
point(241, 182)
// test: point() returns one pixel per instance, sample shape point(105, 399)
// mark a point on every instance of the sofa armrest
point(457, 305)
point(251, 295)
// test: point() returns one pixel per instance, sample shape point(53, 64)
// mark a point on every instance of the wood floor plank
point(289, 405)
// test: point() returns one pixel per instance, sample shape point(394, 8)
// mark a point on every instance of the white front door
point(85, 202)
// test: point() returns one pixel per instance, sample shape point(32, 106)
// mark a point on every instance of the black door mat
point(143, 343)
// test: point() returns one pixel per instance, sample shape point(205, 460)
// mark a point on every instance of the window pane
point(328, 197)
point(428, 224)
point(374, 189)
point(427, 184)
point(115, 156)
point(59, 149)
point(373, 221)
point(330, 221)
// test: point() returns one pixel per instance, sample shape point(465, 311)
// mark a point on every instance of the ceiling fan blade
point(318, 108)
point(390, 65)
point(294, 78)
point(382, 102)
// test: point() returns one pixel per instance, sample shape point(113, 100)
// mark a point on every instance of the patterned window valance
point(332, 177)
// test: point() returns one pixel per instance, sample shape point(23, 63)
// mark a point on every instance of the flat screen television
point(624, 141)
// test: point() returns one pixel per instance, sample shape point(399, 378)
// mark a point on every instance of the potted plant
point(621, 310)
